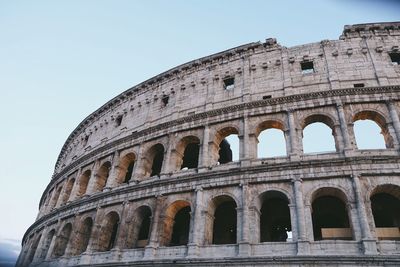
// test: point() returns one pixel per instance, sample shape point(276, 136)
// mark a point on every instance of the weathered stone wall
point(270, 91)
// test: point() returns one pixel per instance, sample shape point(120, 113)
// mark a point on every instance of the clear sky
point(61, 60)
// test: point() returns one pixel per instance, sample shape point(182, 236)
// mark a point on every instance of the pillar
point(154, 230)
point(196, 231)
point(395, 119)
point(302, 241)
point(204, 159)
point(369, 244)
point(244, 244)
point(294, 138)
point(347, 144)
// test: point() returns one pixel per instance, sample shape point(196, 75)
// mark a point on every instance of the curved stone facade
point(143, 180)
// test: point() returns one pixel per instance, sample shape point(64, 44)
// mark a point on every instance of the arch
point(176, 224)
point(221, 151)
point(271, 139)
point(275, 224)
point(62, 240)
point(102, 176)
point(56, 197)
point(68, 190)
point(186, 153)
point(153, 160)
point(46, 243)
point(221, 226)
point(83, 183)
point(330, 215)
point(317, 127)
point(108, 233)
point(125, 166)
point(385, 206)
point(82, 236)
point(139, 232)
point(33, 248)
point(379, 120)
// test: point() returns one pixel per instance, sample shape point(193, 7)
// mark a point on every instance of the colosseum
point(149, 178)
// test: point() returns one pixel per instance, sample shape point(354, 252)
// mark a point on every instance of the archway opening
point(180, 230)
point(62, 241)
point(68, 190)
point(271, 143)
point(275, 225)
point(46, 244)
point(318, 137)
point(141, 227)
point(330, 219)
point(229, 149)
point(83, 183)
point(154, 160)
point(386, 212)
point(191, 156)
point(126, 166)
point(176, 224)
point(33, 249)
point(369, 128)
point(102, 176)
point(83, 236)
point(109, 230)
point(368, 135)
point(225, 221)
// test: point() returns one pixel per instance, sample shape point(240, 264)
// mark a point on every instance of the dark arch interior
point(47, 243)
point(191, 156)
point(328, 212)
point(224, 229)
point(157, 160)
point(386, 210)
point(225, 152)
point(84, 235)
point(144, 228)
point(180, 230)
point(109, 230)
point(129, 171)
point(275, 220)
point(62, 241)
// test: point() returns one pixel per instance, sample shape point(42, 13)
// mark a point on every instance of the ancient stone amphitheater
point(149, 178)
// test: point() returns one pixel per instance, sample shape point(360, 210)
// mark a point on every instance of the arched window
point(46, 244)
point(186, 154)
point(102, 176)
point(176, 224)
point(139, 232)
point(68, 190)
point(83, 183)
point(385, 205)
point(62, 241)
point(330, 215)
point(271, 140)
point(319, 135)
point(225, 146)
point(82, 237)
point(224, 224)
point(371, 131)
point(126, 165)
point(153, 160)
point(109, 231)
point(275, 225)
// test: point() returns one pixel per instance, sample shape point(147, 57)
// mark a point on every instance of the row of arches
point(172, 224)
point(223, 148)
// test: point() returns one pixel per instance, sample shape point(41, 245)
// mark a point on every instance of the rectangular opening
point(307, 67)
point(229, 83)
point(165, 100)
point(395, 57)
point(359, 85)
point(118, 121)
point(267, 96)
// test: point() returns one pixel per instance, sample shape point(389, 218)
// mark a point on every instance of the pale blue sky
point(61, 60)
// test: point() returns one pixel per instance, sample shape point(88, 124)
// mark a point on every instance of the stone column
point(302, 242)
point(347, 145)
point(75, 187)
point(244, 245)
point(113, 174)
point(196, 231)
point(293, 220)
point(92, 179)
point(154, 230)
point(294, 138)
point(204, 160)
point(166, 165)
point(369, 244)
point(394, 116)
point(245, 148)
